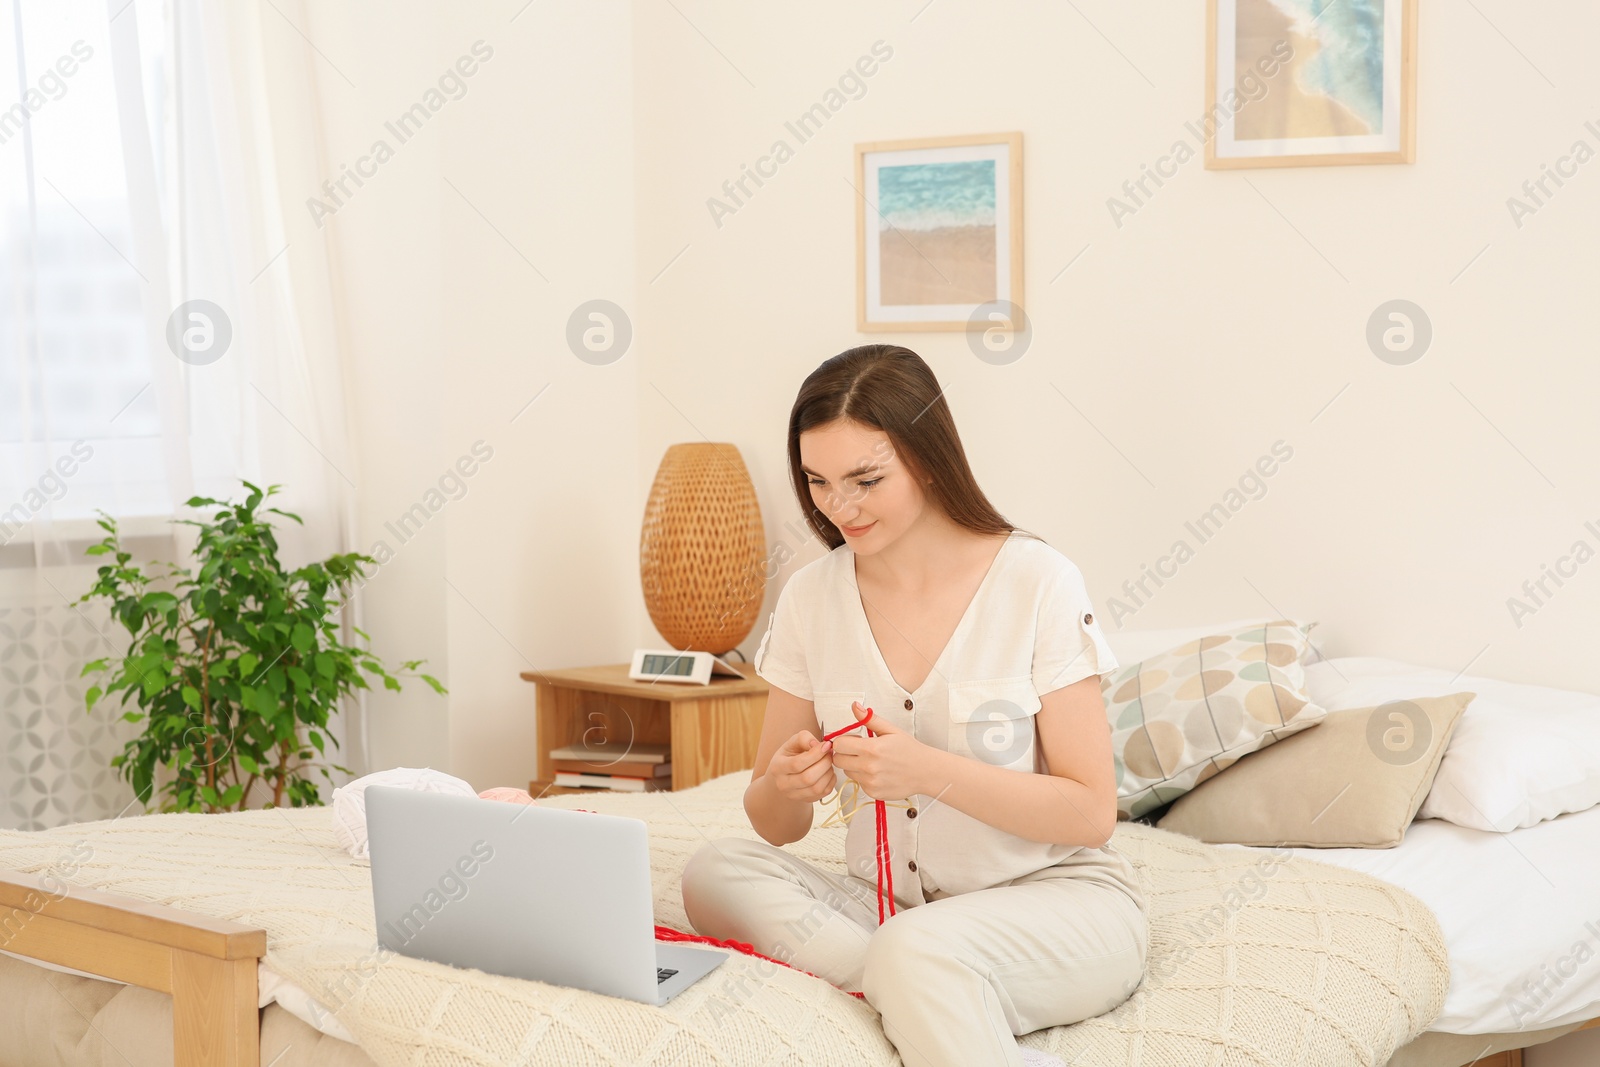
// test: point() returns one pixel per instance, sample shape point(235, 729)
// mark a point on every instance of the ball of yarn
point(509, 794)
point(349, 801)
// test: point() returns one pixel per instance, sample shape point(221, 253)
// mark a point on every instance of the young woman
point(998, 906)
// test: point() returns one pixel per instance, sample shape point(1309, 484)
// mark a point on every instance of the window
point(80, 281)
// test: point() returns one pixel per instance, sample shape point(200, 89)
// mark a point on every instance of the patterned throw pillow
point(1182, 716)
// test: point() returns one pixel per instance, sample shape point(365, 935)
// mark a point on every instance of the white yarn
point(349, 804)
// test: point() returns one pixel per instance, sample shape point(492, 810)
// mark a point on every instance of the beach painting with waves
point(938, 230)
point(1310, 82)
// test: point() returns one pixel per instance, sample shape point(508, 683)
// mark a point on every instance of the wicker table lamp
point(702, 552)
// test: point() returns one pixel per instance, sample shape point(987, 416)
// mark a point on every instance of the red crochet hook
point(881, 843)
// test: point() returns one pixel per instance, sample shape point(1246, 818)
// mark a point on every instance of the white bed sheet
point(1520, 914)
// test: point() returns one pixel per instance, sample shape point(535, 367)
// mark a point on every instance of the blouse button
point(912, 864)
point(911, 813)
point(1088, 619)
point(908, 703)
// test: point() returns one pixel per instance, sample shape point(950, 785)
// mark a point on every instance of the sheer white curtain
point(142, 203)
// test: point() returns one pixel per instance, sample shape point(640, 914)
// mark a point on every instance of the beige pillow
point(1183, 716)
point(1356, 781)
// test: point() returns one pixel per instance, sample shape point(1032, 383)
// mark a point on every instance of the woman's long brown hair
point(890, 388)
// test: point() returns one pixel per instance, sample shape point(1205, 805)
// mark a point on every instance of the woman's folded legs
point(782, 906)
point(954, 979)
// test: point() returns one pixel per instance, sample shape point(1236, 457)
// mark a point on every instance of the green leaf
point(191, 697)
point(91, 667)
point(316, 739)
point(302, 636)
point(94, 694)
point(324, 664)
point(97, 550)
point(250, 766)
point(132, 716)
point(247, 664)
point(158, 602)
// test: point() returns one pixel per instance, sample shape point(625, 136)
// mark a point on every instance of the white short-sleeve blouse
point(1029, 629)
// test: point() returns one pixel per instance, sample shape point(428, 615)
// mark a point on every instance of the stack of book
point(634, 768)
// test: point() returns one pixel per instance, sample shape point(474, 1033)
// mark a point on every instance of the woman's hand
point(889, 766)
point(802, 769)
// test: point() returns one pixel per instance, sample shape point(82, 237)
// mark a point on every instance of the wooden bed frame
point(208, 966)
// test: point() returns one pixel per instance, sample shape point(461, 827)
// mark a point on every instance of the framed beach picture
point(938, 230)
point(1297, 83)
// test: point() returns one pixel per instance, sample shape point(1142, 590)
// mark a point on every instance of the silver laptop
point(524, 891)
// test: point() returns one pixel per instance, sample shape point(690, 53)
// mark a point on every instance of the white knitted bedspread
point(1300, 964)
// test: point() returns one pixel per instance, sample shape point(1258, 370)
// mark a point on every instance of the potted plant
point(234, 668)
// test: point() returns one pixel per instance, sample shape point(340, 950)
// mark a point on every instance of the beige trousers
point(954, 978)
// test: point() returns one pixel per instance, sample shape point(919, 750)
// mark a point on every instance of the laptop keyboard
point(663, 973)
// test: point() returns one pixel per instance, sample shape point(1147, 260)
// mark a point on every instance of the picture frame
point(938, 231)
point(1363, 109)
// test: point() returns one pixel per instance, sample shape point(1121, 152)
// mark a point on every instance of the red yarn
point(881, 841)
point(885, 880)
point(666, 933)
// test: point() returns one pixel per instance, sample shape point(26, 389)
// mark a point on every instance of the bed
point(1509, 905)
point(181, 907)
point(247, 939)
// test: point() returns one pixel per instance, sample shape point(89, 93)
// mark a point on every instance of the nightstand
point(712, 729)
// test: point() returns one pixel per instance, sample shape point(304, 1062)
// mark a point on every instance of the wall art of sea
point(1348, 64)
point(936, 232)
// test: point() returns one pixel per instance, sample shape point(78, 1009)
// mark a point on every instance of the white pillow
point(1131, 646)
point(1520, 754)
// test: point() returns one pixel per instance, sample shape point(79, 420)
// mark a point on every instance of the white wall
point(388, 243)
point(462, 261)
point(543, 553)
point(1195, 335)
point(1190, 339)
